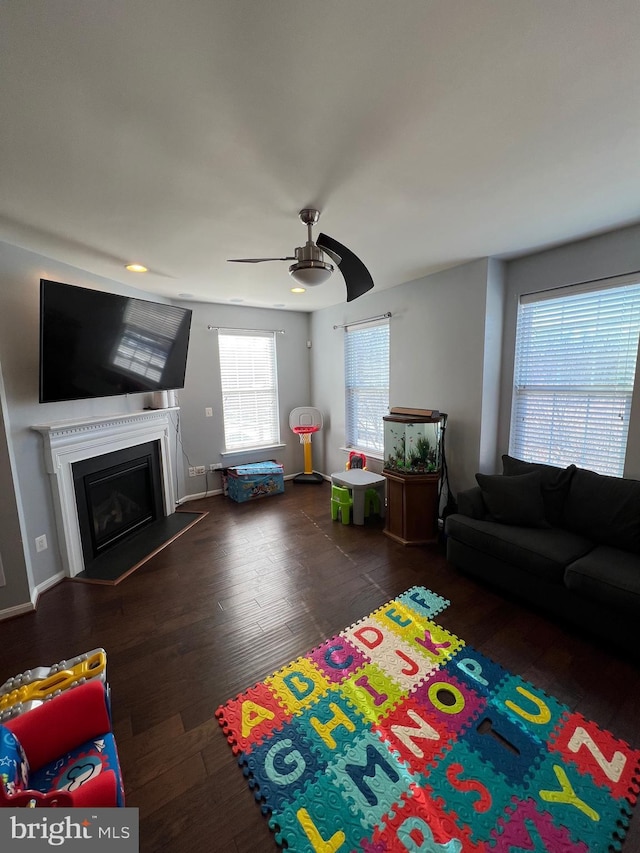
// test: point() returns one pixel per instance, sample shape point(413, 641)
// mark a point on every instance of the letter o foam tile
point(395, 736)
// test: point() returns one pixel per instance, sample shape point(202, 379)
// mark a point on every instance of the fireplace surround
point(68, 443)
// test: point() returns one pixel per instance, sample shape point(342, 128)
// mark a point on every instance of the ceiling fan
point(310, 268)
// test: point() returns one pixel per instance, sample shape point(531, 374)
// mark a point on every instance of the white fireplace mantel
point(67, 442)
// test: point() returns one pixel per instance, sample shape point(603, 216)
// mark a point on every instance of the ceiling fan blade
point(255, 260)
point(356, 276)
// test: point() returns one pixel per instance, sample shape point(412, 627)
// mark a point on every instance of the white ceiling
point(180, 133)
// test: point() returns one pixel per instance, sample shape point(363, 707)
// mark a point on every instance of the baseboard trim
point(17, 610)
point(36, 592)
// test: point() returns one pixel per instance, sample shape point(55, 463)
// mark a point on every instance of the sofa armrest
point(470, 503)
point(60, 724)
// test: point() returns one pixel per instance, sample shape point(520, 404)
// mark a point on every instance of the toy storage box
point(258, 480)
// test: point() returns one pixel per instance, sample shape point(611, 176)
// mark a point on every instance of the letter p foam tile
point(396, 737)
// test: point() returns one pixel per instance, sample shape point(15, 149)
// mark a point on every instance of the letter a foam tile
point(396, 737)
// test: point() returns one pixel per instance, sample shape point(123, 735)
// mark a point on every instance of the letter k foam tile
point(396, 737)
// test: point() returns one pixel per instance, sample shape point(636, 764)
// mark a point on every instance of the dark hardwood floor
point(240, 595)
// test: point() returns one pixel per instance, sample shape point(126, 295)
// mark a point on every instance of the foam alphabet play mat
point(395, 735)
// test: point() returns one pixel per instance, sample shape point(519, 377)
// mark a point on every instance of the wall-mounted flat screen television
point(97, 344)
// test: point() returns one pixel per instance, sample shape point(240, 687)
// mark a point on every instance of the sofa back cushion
point(555, 484)
point(514, 500)
point(605, 509)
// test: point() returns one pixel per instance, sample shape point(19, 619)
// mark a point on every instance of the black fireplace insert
point(118, 494)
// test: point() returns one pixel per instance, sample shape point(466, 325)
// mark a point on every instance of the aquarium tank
point(413, 441)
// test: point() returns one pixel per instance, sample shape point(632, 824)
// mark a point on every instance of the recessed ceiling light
point(136, 268)
point(298, 290)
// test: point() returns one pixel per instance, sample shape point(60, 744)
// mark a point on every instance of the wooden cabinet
point(412, 508)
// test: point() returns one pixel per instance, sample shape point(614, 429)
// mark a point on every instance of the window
point(249, 389)
point(366, 351)
point(575, 366)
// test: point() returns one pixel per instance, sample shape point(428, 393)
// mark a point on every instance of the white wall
point(203, 437)
point(437, 360)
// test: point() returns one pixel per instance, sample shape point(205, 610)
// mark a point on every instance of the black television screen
point(97, 344)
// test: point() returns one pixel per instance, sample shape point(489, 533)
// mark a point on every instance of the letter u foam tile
point(396, 737)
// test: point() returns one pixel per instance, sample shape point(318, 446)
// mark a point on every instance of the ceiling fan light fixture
point(310, 273)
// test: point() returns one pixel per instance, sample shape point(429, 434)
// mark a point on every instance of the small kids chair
point(356, 460)
point(341, 503)
point(371, 503)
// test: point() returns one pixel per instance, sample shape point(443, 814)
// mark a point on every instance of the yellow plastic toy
point(34, 686)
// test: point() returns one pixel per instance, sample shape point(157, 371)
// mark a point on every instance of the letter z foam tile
point(396, 737)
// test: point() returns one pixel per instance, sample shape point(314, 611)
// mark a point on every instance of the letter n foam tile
point(417, 737)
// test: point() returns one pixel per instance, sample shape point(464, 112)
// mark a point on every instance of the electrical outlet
point(41, 543)
point(192, 472)
point(215, 466)
point(199, 469)
point(208, 412)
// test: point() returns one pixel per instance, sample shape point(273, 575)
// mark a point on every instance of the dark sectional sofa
point(565, 539)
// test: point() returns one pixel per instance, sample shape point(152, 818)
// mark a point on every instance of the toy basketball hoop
point(304, 421)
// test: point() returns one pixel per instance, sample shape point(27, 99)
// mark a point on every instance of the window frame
point(567, 334)
point(249, 390)
point(356, 437)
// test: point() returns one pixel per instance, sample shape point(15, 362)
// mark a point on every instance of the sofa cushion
point(542, 552)
point(608, 575)
point(555, 484)
point(514, 500)
point(607, 509)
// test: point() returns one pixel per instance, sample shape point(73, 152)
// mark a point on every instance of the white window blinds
point(575, 366)
point(366, 350)
point(249, 389)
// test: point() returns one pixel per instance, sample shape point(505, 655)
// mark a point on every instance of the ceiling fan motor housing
point(310, 268)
